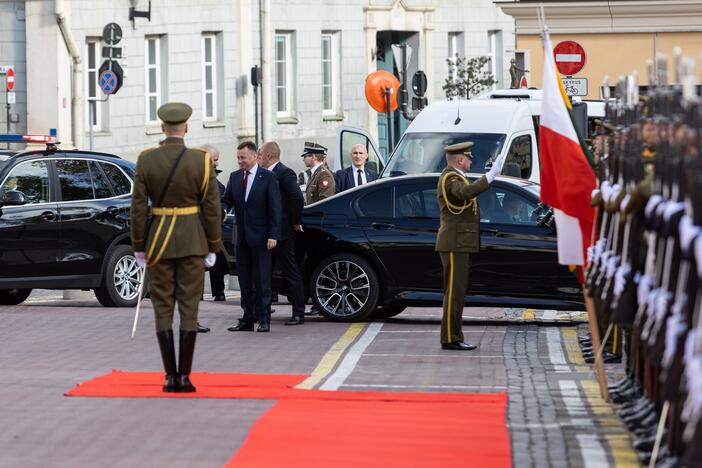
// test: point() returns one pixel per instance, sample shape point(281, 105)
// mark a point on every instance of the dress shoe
point(645, 444)
point(296, 320)
point(219, 298)
point(263, 328)
point(458, 346)
point(242, 326)
point(609, 358)
point(201, 329)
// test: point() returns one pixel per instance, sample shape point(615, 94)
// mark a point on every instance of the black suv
point(64, 224)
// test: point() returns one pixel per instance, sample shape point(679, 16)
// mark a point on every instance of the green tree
point(467, 77)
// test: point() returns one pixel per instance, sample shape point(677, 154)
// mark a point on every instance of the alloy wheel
point(127, 277)
point(342, 288)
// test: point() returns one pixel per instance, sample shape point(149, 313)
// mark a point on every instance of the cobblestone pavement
point(555, 415)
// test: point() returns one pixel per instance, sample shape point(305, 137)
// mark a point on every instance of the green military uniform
point(459, 235)
point(320, 186)
point(177, 239)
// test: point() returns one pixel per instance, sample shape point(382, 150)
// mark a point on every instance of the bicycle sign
point(575, 86)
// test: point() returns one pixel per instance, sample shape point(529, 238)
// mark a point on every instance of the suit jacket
point(291, 200)
point(459, 228)
point(193, 185)
point(346, 178)
point(258, 218)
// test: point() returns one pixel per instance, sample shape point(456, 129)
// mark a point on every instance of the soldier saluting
point(459, 235)
point(321, 182)
point(180, 182)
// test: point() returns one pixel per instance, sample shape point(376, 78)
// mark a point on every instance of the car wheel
point(345, 288)
point(13, 296)
point(121, 280)
point(384, 312)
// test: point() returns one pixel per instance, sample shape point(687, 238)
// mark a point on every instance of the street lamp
point(134, 13)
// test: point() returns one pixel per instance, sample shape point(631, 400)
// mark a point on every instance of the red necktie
point(246, 179)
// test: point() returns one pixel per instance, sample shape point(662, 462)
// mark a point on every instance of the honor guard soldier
point(321, 182)
point(459, 235)
point(175, 243)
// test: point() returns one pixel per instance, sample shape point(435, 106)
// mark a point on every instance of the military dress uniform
point(458, 236)
point(177, 239)
point(321, 183)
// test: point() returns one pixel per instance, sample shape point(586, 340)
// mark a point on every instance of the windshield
point(421, 153)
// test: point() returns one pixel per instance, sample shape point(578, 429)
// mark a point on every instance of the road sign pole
point(91, 112)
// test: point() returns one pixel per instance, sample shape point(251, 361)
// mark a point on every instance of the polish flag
point(567, 178)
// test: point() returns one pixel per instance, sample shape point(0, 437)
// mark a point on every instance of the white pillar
point(428, 46)
point(371, 32)
point(244, 99)
point(267, 88)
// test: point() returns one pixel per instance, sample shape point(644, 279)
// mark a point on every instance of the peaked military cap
point(174, 113)
point(313, 148)
point(606, 126)
point(460, 148)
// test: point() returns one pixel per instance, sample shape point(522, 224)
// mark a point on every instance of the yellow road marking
point(572, 347)
point(528, 314)
point(329, 360)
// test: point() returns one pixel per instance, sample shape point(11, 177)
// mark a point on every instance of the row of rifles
point(646, 259)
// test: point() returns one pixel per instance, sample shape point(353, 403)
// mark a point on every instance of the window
point(348, 140)
point(412, 201)
point(209, 77)
point(101, 186)
point(377, 204)
point(32, 179)
point(331, 74)
point(455, 49)
point(495, 56)
point(518, 162)
point(498, 205)
point(120, 183)
point(284, 74)
point(93, 108)
point(153, 71)
point(74, 180)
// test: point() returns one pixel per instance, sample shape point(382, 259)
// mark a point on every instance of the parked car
point(64, 224)
point(370, 250)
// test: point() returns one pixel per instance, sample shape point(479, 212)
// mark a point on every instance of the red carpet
point(339, 429)
point(382, 434)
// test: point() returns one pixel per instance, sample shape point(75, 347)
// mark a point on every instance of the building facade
point(618, 36)
point(315, 58)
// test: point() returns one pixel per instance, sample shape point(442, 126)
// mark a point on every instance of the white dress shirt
point(249, 181)
point(272, 166)
point(314, 168)
point(355, 175)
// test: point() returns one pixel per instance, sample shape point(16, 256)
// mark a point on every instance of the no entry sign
point(570, 57)
point(10, 79)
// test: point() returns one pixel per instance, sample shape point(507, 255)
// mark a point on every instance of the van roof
point(477, 116)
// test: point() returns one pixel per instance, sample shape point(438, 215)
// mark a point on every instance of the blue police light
point(45, 139)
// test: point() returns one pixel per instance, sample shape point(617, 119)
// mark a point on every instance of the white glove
point(496, 168)
point(210, 260)
point(140, 258)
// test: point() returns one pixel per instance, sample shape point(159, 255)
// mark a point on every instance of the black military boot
point(165, 343)
point(185, 361)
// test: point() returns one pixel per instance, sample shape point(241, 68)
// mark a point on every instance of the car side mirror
point(14, 198)
point(546, 217)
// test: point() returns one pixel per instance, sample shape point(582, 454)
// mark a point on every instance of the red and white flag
point(567, 179)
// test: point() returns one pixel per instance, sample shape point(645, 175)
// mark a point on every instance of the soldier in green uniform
point(176, 245)
point(321, 182)
point(459, 235)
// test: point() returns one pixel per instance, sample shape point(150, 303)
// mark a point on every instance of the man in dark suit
point(356, 175)
point(255, 196)
point(292, 203)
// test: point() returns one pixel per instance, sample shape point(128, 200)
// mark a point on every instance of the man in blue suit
point(255, 196)
point(292, 203)
point(358, 173)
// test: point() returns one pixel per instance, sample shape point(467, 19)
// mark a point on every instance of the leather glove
point(496, 168)
point(210, 260)
point(140, 258)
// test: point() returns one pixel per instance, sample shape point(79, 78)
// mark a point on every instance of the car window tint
point(412, 201)
point(120, 183)
point(498, 205)
point(518, 161)
point(100, 183)
point(377, 204)
point(74, 180)
point(32, 179)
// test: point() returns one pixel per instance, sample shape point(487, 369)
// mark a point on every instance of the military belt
point(180, 211)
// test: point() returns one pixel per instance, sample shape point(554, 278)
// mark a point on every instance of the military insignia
point(325, 183)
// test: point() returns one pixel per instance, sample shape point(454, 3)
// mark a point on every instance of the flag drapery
point(567, 178)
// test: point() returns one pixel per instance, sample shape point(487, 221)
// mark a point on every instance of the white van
point(502, 121)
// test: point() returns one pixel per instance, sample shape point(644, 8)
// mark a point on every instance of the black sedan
point(370, 250)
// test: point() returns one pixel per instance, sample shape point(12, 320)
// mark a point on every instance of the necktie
point(359, 179)
point(246, 180)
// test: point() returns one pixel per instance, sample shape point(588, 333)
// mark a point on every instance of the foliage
point(467, 77)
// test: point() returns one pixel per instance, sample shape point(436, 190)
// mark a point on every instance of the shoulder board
point(203, 150)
